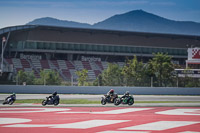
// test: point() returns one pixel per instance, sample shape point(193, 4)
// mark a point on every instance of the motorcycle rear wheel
point(56, 102)
point(117, 101)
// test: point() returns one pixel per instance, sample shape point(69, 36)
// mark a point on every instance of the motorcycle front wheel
point(44, 102)
point(11, 102)
point(131, 102)
point(103, 101)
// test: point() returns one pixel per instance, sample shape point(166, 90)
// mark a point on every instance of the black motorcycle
point(108, 99)
point(9, 100)
point(51, 101)
point(127, 100)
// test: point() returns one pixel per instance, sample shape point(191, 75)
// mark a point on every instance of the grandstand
point(66, 50)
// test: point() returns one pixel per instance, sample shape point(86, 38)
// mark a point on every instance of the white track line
point(33, 110)
point(118, 111)
point(180, 112)
point(160, 125)
point(76, 125)
point(123, 132)
point(13, 120)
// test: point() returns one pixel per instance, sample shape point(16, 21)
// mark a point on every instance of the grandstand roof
point(97, 36)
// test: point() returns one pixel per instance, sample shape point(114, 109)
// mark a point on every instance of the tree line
point(47, 77)
point(157, 72)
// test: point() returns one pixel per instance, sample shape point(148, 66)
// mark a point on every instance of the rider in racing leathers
point(53, 95)
point(110, 95)
point(12, 97)
point(126, 95)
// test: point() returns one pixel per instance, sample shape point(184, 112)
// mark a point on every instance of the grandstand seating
point(99, 64)
point(86, 65)
point(70, 65)
point(36, 63)
point(9, 61)
point(62, 64)
point(37, 75)
point(54, 64)
point(91, 75)
point(25, 63)
point(104, 64)
point(94, 66)
point(66, 73)
point(73, 73)
point(28, 70)
point(78, 65)
point(44, 64)
point(18, 69)
point(97, 72)
point(66, 69)
point(17, 63)
point(121, 64)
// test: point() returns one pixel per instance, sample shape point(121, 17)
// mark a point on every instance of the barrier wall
point(98, 90)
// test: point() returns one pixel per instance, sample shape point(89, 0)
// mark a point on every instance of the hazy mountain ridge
point(137, 20)
point(57, 22)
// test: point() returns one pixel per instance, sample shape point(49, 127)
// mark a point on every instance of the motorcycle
point(108, 99)
point(127, 100)
point(9, 101)
point(51, 101)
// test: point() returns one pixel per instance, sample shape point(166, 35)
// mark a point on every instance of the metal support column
point(2, 50)
point(4, 43)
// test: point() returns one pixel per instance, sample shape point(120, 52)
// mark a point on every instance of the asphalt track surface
point(96, 118)
point(195, 100)
point(98, 97)
point(100, 119)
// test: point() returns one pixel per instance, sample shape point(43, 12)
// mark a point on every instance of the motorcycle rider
point(53, 95)
point(126, 95)
point(52, 99)
point(110, 94)
point(12, 97)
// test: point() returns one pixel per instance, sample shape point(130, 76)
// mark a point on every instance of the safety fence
point(34, 89)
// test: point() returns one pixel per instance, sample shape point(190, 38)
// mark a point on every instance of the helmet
point(55, 93)
point(127, 93)
point(112, 91)
point(13, 93)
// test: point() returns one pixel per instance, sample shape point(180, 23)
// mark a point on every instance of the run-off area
point(100, 119)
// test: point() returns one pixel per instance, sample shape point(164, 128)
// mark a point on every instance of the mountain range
point(136, 20)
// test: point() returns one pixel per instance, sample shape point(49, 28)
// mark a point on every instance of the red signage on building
point(195, 53)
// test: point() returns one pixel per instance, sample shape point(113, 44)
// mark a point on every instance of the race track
point(98, 97)
point(99, 119)
point(193, 100)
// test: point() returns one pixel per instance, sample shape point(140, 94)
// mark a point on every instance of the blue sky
point(19, 12)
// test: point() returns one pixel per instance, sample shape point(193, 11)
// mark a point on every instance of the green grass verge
point(85, 101)
point(71, 101)
point(79, 101)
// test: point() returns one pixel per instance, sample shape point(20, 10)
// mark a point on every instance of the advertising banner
point(193, 53)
